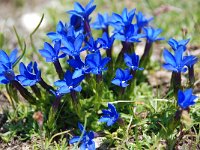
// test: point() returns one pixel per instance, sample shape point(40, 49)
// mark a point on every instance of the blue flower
point(6, 66)
point(130, 34)
point(141, 20)
point(52, 53)
point(152, 34)
point(102, 22)
point(79, 65)
point(82, 12)
point(122, 77)
point(92, 45)
point(177, 44)
point(68, 84)
point(77, 23)
point(186, 99)
point(132, 61)
point(106, 41)
point(123, 20)
point(29, 75)
point(86, 141)
point(177, 62)
point(73, 48)
point(61, 31)
point(110, 116)
point(95, 63)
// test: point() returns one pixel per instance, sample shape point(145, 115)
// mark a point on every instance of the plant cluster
point(87, 81)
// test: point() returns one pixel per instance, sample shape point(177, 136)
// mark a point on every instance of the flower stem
point(23, 91)
point(176, 82)
point(146, 55)
point(56, 103)
point(36, 90)
point(191, 75)
point(126, 47)
point(47, 87)
point(59, 69)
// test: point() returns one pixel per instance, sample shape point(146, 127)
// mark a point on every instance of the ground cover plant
point(97, 97)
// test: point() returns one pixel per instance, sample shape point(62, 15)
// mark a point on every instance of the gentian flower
point(123, 20)
point(177, 44)
point(92, 45)
point(86, 141)
point(130, 34)
point(6, 66)
point(102, 22)
point(73, 48)
point(106, 41)
point(122, 77)
point(77, 23)
point(61, 31)
point(79, 65)
point(186, 99)
point(141, 20)
point(177, 62)
point(68, 84)
point(132, 61)
point(95, 63)
point(152, 34)
point(29, 75)
point(83, 12)
point(52, 53)
point(110, 116)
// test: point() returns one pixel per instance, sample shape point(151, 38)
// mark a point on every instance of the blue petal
point(74, 139)
point(60, 83)
point(104, 119)
point(116, 82)
point(81, 127)
point(4, 57)
point(13, 56)
point(112, 108)
point(78, 42)
point(78, 88)
point(64, 90)
point(169, 58)
point(77, 73)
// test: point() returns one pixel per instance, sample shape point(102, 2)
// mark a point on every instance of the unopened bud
point(38, 116)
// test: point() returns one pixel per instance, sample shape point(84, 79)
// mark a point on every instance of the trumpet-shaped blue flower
point(152, 34)
point(177, 44)
point(73, 48)
point(130, 34)
point(110, 116)
point(122, 77)
point(186, 99)
point(86, 141)
point(6, 66)
point(77, 23)
point(132, 61)
point(95, 63)
point(102, 22)
point(79, 65)
point(68, 84)
point(141, 20)
point(29, 75)
point(82, 12)
point(177, 62)
point(52, 53)
point(106, 41)
point(61, 31)
point(123, 20)
point(92, 45)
